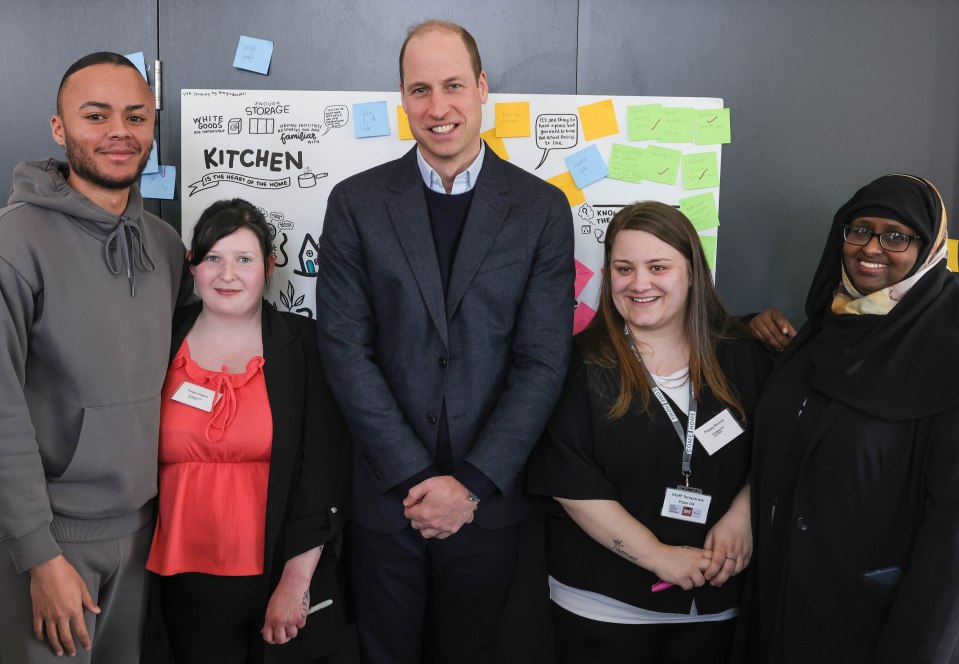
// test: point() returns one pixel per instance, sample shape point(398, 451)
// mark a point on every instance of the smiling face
point(872, 268)
point(105, 122)
point(649, 283)
point(444, 100)
point(232, 275)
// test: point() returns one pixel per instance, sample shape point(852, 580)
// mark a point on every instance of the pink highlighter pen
point(661, 585)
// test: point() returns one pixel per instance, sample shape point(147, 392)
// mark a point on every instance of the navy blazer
point(307, 494)
point(495, 348)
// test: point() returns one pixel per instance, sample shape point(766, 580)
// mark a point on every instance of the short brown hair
point(436, 24)
point(707, 320)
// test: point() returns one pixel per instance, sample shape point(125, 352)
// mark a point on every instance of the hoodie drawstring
point(124, 248)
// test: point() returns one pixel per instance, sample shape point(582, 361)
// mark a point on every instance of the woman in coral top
point(254, 458)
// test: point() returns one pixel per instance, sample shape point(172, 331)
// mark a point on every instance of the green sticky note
point(709, 248)
point(700, 170)
point(679, 124)
point(626, 163)
point(712, 126)
point(645, 122)
point(661, 165)
point(700, 210)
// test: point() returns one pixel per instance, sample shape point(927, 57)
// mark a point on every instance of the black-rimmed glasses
point(890, 241)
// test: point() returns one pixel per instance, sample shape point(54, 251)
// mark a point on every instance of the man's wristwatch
point(473, 498)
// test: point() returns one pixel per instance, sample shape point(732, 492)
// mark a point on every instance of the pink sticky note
point(581, 317)
point(583, 275)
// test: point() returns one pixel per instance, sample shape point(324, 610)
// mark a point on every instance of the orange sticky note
point(598, 120)
point(403, 125)
point(953, 261)
point(512, 119)
point(495, 144)
point(565, 182)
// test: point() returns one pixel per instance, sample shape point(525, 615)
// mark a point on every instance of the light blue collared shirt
point(462, 183)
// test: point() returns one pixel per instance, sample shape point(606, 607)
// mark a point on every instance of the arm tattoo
point(618, 548)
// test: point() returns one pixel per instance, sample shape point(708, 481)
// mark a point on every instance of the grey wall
point(825, 95)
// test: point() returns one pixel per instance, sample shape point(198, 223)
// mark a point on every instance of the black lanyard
point(686, 439)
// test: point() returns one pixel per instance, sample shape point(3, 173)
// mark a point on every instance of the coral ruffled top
point(214, 470)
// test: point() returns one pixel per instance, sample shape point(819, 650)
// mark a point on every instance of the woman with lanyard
point(857, 447)
point(648, 453)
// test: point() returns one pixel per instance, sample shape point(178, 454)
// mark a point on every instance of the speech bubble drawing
point(556, 132)
point(335, 117)
point(277, 217)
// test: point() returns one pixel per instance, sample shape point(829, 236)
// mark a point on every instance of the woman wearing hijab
point(648, 453)
point(856, 465)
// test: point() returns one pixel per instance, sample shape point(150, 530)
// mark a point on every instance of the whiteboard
point(284, 150)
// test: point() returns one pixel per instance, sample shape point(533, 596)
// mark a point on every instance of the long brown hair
point(707, 320)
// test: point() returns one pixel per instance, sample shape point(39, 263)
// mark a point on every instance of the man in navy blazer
point(445, 302)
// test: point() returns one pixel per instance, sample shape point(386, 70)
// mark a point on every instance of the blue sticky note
point(141, 65)
point(586, 166)
point(161, 184)
point(153, 165)
point(253, 54)
point(370, 119)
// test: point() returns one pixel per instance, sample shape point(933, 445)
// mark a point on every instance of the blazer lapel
point(283, 386)
point(486, 215)
point(411, 219)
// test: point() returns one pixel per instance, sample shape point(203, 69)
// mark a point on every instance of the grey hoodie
point(86, 300)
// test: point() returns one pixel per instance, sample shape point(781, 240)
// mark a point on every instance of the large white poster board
point(285, 150)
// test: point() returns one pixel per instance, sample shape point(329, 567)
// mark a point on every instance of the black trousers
point(430, 600)
point(580, 640)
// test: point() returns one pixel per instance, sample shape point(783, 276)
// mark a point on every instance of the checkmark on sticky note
point(568, 186)
point(253, 54)
point(700, 171)
point(645, 122)
point(512, 119)
point(661, 165)
point(712, 126)
point(369, 119)
point(700, 210)
point(586, 166)
point(598, 120)
point(626, 163)
point(679, 125)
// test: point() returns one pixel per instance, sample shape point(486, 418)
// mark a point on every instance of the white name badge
point(686, 505)
point(718, 431)
point(196, 396)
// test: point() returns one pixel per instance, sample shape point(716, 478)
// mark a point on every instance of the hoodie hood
point(44, 184)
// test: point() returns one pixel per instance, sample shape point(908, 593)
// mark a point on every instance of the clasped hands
point(439, 506)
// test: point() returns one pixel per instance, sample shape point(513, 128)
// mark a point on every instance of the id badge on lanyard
point(683, 502)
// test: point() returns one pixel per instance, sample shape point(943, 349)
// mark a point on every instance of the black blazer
point(493, 348)
point(307, 496)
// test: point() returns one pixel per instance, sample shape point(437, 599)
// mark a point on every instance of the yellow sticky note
point(565, 182)
point(598, 120)
point(953, 260)
point(495, 144)
point(512, 119)
point(403, 125)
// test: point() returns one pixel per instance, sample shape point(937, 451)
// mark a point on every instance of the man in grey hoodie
point(88, 284)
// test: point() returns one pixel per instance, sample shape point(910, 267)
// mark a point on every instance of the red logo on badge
point(687, 511)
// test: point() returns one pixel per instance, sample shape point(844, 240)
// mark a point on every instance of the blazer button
point(443, 362)
point(431, 419)
point(801, 523)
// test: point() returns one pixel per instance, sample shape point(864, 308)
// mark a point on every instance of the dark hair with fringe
point(225, 218)
point(706, 319)
point(436, 24)
point(98, 58)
